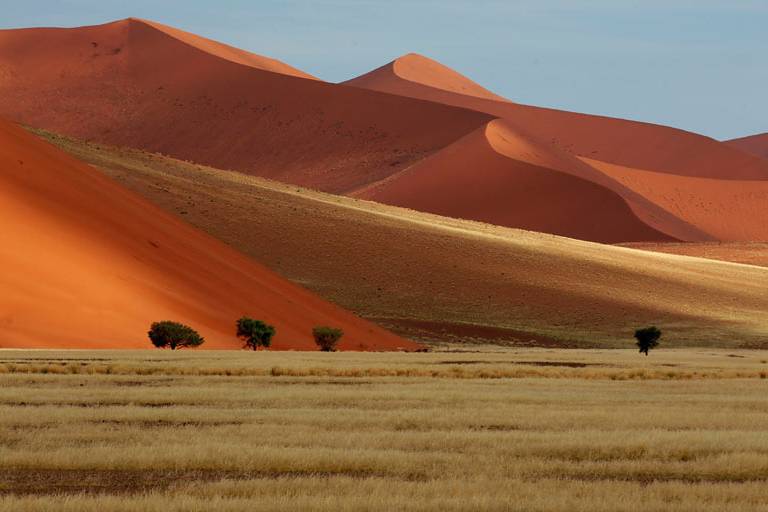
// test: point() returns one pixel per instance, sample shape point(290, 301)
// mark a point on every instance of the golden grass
point(375, 431)
point(434, 278)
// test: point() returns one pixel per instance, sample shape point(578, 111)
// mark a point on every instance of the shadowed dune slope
point(437, 279)
point(87, 263)
point(141, 84)
point(754, 144)
point(617, 141)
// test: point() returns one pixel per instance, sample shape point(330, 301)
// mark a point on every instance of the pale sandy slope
point(441, 278)
point(85, 262)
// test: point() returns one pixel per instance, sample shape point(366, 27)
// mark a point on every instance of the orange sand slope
point(679, 185)
point(754, 144)
point(86, 263)
point(140, 84)
point(397, 77)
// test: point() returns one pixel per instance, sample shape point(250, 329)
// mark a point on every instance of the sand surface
point(682, 186)
point(86, 263)
point(140, 84)
point(754, 144)
point(412, 133)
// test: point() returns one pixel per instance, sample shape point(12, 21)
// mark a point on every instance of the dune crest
point(227, 52)
point(420, 69)
point(85, 263)
point(613, 140)
point(131, 84)
point(723, 198)
point(140, 84)
point(496, 176)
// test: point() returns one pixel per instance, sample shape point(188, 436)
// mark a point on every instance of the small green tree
point(255, 333)
point(647, 339)
point(173, 335)
point(327, 337)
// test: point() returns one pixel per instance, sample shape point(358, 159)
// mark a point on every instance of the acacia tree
point(173, 335)
point(327, 337)
point(647, 339)
point(255, 333)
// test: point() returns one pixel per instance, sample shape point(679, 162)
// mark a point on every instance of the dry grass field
point(434, 278)
point(490, 429)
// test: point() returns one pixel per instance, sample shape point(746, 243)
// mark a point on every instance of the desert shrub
point(173, 335)
point(255, 333)
point(647, 339)
point(327, 337)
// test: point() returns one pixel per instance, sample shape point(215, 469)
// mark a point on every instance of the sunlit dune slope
point(396, 77)
point(86, 263)
point(438, 278)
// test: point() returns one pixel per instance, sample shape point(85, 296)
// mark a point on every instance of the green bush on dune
point(327, 337)
point(255, 333)
point(647, 339)
point(173, 335)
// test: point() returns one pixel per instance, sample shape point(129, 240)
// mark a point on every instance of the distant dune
point(397, 77)
point(140, 84)
point(681, 185)
point(442, 279)
point(496, 176)
point(755, 144)
point(618, 141)
point(412, 133)
point(86, 263)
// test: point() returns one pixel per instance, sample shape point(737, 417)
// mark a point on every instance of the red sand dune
point(397, 77)
point(754, 144)
point(412, 133)
point(86, 263)
point(726, 210)
point(618, 141)
point(499, 176)
point(681, 185)
point(140, 84)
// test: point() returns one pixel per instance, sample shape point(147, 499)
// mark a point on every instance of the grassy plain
point(491, 429)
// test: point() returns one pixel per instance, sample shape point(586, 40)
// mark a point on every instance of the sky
point(700, 65)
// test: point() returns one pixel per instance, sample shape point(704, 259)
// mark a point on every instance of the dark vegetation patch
point(38, 482)
point(440, 332)
point(21, 403)
point(165, 423)
point(496, 428)
point(565, 364)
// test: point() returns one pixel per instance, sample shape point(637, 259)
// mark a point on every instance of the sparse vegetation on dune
point(434, 279)
point(177, 432)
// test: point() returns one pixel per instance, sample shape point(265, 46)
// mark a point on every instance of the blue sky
point(701, 65)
